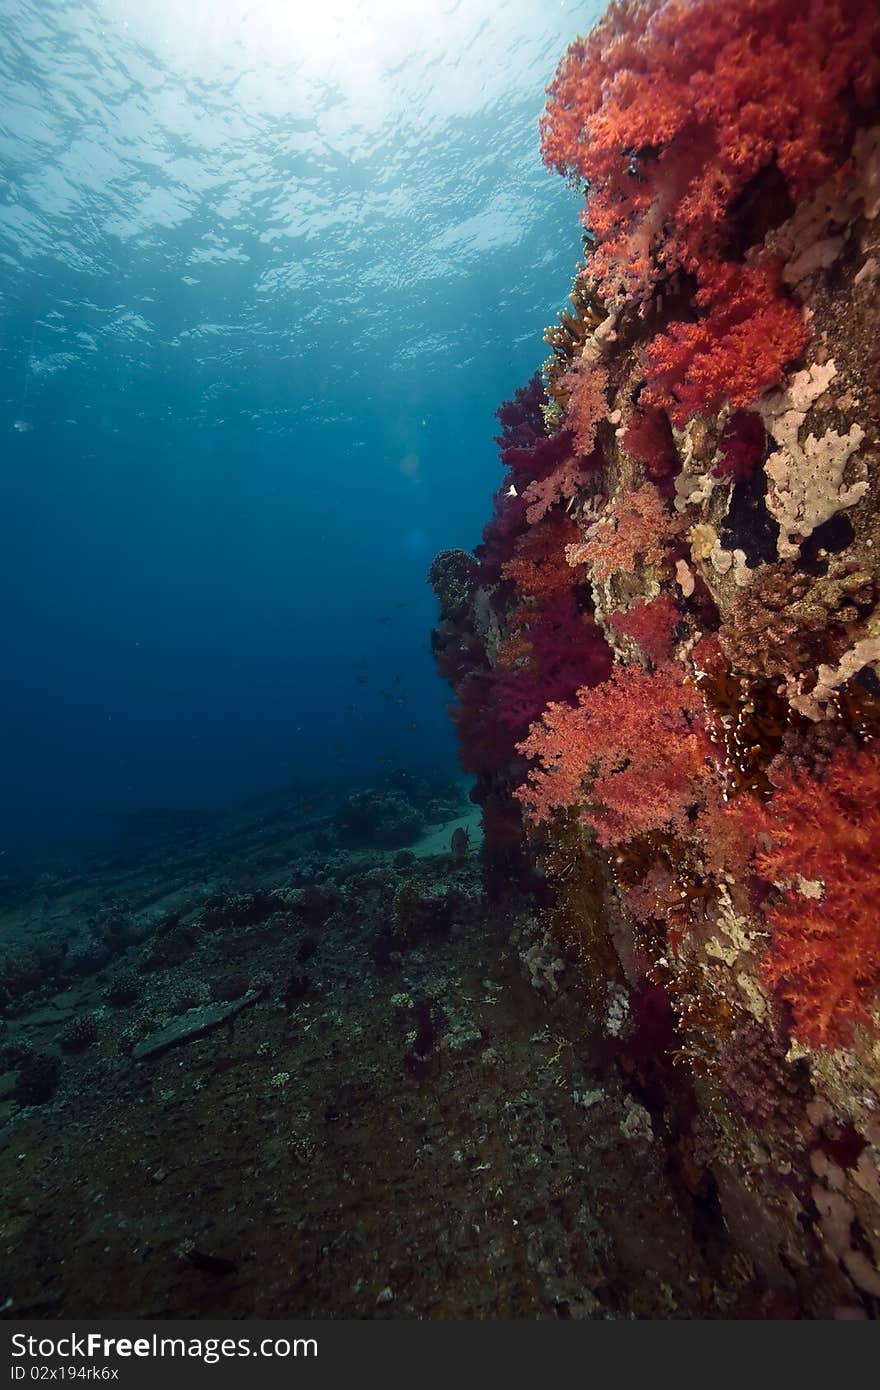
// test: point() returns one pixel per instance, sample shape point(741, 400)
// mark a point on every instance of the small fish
point(22, 426)
point(460, 844)
point(363, 680)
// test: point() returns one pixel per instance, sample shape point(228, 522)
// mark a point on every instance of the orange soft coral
point(671, 107)
point(737, 351)
point(822, 848)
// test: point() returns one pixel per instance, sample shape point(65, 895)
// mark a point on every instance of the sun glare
point(210, 36)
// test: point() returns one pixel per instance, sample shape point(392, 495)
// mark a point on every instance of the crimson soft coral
point(555, 649)
point(742, 447)
point(520, 418)
point(648, 440)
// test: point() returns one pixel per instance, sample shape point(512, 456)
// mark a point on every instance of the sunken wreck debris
point(666, 671)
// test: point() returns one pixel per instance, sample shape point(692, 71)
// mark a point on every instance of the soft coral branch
point(821, 847)
point(738, 350)
point(538, 567)
point(651, 625)
point(634, 526)
point(633, 754)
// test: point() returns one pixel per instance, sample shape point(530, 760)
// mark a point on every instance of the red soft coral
point(648, 440)
point(823, 850)
point(651, 625)
point(669, 108)
point(740, 349)
point(633, 753)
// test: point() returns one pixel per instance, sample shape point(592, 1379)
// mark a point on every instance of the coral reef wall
point(665, 650)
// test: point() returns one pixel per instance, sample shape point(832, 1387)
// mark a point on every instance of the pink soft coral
point(564, 483)
point(634, 526)
point(587, 404)
point(586, 407)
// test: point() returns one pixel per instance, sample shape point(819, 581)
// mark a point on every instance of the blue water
point(266, 270)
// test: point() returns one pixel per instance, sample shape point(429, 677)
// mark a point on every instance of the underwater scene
point(440, 816)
